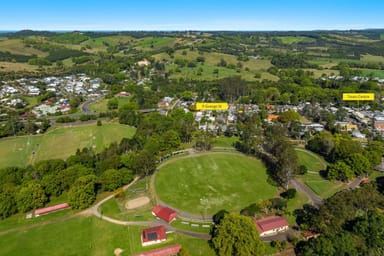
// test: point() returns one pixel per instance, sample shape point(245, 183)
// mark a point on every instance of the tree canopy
point(237, 235)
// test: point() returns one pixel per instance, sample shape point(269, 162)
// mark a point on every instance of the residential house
point(153, 235)
point(271, 225)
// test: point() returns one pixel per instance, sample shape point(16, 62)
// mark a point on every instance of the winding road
point(299, 186)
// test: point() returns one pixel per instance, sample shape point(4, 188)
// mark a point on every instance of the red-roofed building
point(165, 251)
point(164, 213)
point(272, 117)
point(271, 225)
point(154, 235)
point(50, 209)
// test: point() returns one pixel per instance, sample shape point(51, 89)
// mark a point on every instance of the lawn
point(59, 142)
point(224, 141)
point(312, 178)
point(87, 236)
point(295, 203)
point(102, 105)
point(201, 227)
point(313, 162)
point(205, 184)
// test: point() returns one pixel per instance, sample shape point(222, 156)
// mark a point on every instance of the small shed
point(50, 209)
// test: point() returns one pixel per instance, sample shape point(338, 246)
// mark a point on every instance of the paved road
point(356, 182)
point(85, 106)
point(316, 200)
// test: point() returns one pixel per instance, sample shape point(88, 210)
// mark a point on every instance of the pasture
point(208, 70)
point(87, 236)
point(17, 46)
point(205, 184)
point(59, 142)
point(288, 40)
point(7, 66)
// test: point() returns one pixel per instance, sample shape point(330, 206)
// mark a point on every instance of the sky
point(250, 15)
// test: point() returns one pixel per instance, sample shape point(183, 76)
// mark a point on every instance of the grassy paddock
point(371, 58)
point(59, 142)
point(88, 236)
point(223, 141)
point(102, 105)
point(208, 183)
point(293, 39)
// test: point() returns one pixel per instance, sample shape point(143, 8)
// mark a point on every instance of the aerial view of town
point(156, 128)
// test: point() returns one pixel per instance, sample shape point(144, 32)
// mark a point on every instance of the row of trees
point(347, 157)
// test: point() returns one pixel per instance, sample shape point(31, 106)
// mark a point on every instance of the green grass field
point(17, 46)
point(293, 39)
point(224, 141)
point(59, 142)
point(101, 105)
point(205, 71)
point(373, 72)
point(312, 178)
point(150, 43)
point(371, 58)
point(87, 236)
point(208, 183)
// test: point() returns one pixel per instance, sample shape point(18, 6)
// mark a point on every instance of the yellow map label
point(358, 96)
point(211, 106)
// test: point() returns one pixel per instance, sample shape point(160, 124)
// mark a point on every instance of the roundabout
point(203, 184)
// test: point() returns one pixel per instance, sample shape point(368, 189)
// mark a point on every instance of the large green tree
point(340, 171)
point(82, 193)
point(7, 201)
point(237, 235)
point(359, 164)
point(129, 114)
point(112, 179)
point(30, 196)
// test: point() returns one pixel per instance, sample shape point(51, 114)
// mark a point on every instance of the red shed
point(153, 235)
point(271, 225)
point(165, 251)
point(50, 209)
point(164, 213)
